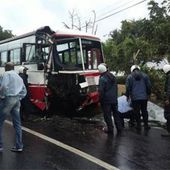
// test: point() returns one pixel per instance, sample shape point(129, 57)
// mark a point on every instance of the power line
point(120, 11)
point(117, 7)
point(120, 5)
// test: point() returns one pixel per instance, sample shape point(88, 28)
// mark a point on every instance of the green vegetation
point(4, 34)
point(157, 78)
point(149, 37)
point(141, 41)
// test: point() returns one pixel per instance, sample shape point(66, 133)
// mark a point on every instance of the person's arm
point(4, 85)
point(23, 92)
point(128, 87)
point(148, 85)
point(101, 88)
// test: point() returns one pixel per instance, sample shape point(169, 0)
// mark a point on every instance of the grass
point(121, 89)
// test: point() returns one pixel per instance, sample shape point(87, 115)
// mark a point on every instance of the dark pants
point(168, 124)
point(140, 105)
point(167, 115)
point(25, 108)
point(128, 115)
point(108, 110)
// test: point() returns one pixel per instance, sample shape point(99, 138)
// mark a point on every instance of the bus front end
point(74, 76)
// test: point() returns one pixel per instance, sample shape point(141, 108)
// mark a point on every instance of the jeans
point(11, 105)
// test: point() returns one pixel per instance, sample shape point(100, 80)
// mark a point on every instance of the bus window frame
point(7, 58)
point(35, 46)
point(81, 42)
point(19, 57)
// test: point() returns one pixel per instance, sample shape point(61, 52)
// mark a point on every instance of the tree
point(4, 34)
point(160, 21)
point(110, 51)
point(150, 38)
point(76, 22)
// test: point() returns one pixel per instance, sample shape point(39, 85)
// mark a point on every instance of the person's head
point(134, 67)
point(123, 94)
point(102, 68)
point(23, 69)
point(9, 66)
point(166, 68)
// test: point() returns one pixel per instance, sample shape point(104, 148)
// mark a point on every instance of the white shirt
point(12, 85)
point(123, 104)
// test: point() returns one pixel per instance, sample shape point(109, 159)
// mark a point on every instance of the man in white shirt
point(12, 90)
point(125, 110)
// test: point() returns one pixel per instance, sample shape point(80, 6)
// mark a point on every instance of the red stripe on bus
point(91, 74)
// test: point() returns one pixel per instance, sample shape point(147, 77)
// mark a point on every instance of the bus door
point(34, 58)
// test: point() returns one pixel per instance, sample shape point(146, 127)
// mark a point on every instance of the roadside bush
point(121, 79)
point(157, 78)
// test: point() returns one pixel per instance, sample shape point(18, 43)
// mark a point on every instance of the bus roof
point(65, 33)
point(45, 29)
point(68, 33)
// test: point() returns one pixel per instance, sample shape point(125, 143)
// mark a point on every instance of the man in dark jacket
point(166, 69)
point(138, 88)
point(108, 99)
point(25, 102)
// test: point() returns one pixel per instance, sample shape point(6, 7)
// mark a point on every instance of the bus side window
point(15, 56)
point(30, 53)
point(3, 58)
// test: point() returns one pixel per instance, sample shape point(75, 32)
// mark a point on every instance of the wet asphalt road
point(130, 151)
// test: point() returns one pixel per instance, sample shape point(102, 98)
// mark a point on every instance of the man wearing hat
point(25, 102)
point(108, 99)
point(138, 88)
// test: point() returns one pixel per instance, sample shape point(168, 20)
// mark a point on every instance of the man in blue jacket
point(138, 88)
point(108, 99)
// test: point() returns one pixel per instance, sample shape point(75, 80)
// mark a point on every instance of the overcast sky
point(22, 16)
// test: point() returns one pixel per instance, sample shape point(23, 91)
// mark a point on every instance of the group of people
point(132, 104)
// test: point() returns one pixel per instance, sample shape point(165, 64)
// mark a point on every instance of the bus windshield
point(79, 54)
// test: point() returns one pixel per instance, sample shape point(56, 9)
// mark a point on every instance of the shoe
point(14, 149)
point(1, 149)
point(167, 134)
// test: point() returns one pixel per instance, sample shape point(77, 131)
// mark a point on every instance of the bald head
point(9, 66)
